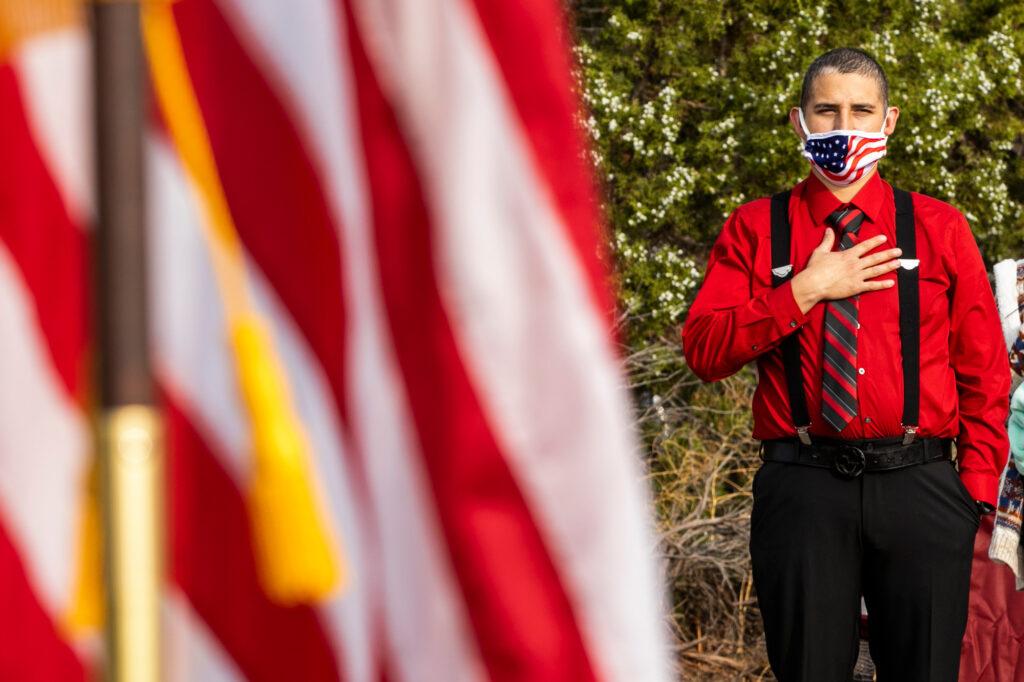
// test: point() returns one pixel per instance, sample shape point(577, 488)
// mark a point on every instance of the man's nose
point(843, 120)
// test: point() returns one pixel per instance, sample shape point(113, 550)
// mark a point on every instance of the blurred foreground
point(397, 440)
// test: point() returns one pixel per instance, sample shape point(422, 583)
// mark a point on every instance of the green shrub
point(688, 104)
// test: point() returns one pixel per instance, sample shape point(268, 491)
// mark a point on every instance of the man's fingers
point(866, 245)
point(882, 269)
point(826, 242)
point(880, 257)
point(876, 284)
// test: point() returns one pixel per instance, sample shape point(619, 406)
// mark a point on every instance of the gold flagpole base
point(131, 441)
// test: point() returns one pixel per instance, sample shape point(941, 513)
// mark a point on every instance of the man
point(877, 342)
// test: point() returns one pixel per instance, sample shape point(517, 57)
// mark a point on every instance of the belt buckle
point(849, 461)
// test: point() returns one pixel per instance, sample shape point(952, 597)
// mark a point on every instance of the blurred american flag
point(421, 239)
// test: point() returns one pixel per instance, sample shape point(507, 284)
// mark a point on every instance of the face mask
point(843, 156)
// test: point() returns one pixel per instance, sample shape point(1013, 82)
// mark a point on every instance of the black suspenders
point(910, 325)
point(782, 270)
point(910, 316)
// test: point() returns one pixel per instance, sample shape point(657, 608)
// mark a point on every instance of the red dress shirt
point(965, 376)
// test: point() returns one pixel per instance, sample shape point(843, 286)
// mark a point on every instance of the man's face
point(845, 101)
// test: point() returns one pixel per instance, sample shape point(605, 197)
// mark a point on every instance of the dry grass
point(701, 462)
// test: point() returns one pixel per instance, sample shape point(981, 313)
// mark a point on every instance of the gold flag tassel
point(296, 559)
point(85, 613)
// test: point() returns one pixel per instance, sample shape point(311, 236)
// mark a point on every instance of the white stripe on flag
point(191, 652)
point(44, 449)
point(530, 335)
point(54, 72)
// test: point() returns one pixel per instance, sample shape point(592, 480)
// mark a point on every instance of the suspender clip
point(801, 432)
point(908, 434)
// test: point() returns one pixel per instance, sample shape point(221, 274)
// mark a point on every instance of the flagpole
point(130, 444)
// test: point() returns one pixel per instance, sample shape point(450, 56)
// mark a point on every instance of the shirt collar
point(821, 202)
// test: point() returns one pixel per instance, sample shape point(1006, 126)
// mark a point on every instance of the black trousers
point(903, 539)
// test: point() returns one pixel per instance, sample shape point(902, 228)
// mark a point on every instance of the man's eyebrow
point(832, 105)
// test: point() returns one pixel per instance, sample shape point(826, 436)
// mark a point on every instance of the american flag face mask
point(843, 156)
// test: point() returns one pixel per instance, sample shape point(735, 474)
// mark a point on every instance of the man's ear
point(794, 121)
point(890, 120)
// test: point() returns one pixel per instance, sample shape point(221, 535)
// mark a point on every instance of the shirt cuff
point(785, 309)
point(984, 487)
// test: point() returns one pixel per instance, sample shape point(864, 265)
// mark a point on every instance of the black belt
point(851, 458)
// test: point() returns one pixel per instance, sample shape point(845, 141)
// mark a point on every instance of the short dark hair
point(845, 60)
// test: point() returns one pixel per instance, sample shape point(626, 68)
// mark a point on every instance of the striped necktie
point(839, 371)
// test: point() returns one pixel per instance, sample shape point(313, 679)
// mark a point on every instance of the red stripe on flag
point(863, 144)
point(540, 83)
point(50, 251)
point(30, 647)
point(866, 151)
point(271, 186)
point(518, 607)
point(212, 560)
point(850, 165)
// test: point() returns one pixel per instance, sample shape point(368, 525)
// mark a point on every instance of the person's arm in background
point(726, 326)
point(977, 354)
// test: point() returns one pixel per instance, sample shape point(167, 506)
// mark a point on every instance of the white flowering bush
point(687, 104)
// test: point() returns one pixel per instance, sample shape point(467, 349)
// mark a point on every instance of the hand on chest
point(879, 310)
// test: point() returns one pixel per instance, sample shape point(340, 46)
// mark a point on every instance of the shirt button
point(867, 420)
point(860, 370)
point(792, 323)
point(754, 347)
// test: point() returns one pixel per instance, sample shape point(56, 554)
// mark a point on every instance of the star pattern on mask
point(830, 152)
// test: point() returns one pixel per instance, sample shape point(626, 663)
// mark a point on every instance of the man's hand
point(832, 275)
